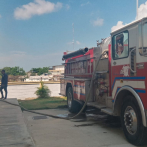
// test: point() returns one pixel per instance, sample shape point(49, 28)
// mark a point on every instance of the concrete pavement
point(28, 91)
point(94, 132)
point(13, 130)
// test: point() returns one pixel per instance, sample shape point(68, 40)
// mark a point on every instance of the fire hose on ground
point(58, 117)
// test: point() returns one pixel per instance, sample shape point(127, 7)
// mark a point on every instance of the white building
point(58, 67)
point(57, 70)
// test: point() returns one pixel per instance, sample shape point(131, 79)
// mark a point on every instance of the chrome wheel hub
point(130, 120)
point(69, 99)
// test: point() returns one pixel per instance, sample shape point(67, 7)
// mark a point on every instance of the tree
point(32, 74)
point(7, 70)
point(43, 91)
point(15, 71)
point(40, 71)
point(22, 72)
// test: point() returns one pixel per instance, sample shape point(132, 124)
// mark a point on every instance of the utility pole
point(73, 36)
point(136, 9)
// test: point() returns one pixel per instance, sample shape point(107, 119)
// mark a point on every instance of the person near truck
point(4, 83)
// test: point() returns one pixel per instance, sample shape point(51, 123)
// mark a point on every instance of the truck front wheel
point(73, 106)
point(132, 124)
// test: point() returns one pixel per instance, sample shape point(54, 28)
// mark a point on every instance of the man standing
point(4, 83)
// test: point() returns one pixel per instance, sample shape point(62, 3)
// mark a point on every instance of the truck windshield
point(143, 39)
point(120, 45)
point(144, 31)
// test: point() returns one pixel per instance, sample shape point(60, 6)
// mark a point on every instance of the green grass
point(43, 103)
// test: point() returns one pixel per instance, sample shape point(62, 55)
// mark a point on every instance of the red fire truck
point(119, 80)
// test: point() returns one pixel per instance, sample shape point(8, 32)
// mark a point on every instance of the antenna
point(73, 35)
point(136, 9)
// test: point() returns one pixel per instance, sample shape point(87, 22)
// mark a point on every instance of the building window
point(120, 46)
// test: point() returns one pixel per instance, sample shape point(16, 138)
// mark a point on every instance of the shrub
point(43, 91)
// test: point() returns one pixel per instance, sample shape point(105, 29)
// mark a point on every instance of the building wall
point(56, 72)
point(37, 78)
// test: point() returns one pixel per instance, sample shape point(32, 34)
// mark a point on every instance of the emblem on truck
point(125, 71)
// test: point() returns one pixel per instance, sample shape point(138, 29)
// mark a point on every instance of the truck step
point(109, 102)
point(101, 72)
point(107, 110)
point(109, 97)
point(96, 104)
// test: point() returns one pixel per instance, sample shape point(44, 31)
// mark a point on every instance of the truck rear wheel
point(132, 124)
point(73, 106)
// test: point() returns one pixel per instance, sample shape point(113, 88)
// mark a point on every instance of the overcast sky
point(35, 33)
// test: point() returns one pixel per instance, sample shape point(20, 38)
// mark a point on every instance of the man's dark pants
point(5, 89)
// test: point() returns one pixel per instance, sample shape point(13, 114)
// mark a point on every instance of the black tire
point(137, 133)
point(73, 106)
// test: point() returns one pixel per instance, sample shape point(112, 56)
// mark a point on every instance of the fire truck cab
point(119, 87)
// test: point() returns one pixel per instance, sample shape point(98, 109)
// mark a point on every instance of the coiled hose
point(66, 118)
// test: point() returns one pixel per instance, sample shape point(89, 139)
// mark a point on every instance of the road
point(13, 130)
point(97, 131)
point(28, 91)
